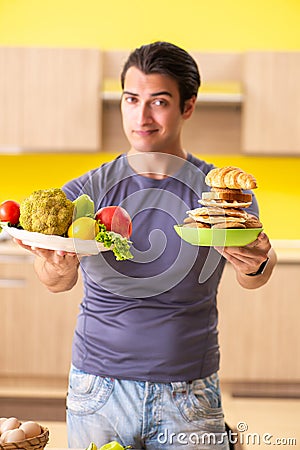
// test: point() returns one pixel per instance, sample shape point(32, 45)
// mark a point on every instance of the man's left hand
point(249, 258)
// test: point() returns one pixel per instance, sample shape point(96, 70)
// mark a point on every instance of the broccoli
point(47, 211)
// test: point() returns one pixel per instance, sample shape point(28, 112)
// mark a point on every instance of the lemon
point(113, 445)
point(83, 228)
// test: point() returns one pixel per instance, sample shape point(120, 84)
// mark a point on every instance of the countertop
point(8, 247)
point(288, 251)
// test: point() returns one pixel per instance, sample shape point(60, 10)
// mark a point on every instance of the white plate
point(52, 242)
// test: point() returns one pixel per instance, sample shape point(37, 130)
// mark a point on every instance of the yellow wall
point(236, 25)
point(194, 24)
point(278, 190)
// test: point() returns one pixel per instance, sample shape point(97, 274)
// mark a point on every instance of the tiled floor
point(270, 423)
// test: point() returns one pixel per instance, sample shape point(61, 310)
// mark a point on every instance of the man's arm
point(247, 260)
point(57, 270)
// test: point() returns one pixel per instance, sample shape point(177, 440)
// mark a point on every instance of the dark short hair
point(166, 59)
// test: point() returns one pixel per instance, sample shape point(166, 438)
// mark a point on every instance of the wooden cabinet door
point(36, 326)
point(49, 99)
point(259, 329)
point(15, 316)
point(271, 115)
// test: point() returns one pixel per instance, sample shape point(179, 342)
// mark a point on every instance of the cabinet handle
point(12, 283)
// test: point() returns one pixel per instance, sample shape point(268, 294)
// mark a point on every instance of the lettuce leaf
point(115, 242)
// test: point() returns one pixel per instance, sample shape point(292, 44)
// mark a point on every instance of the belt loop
point(179, 387)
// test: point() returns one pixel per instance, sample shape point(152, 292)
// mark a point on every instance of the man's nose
point(144, 114)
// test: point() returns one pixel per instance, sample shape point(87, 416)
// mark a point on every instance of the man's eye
point(130, 99)
point(159, 102)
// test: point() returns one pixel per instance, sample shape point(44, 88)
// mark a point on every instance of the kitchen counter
point(288, 251)
point(8, 247)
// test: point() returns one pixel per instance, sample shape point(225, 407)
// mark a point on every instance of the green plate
point(208, 237)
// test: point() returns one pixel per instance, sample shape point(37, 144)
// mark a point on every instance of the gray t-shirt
point(152, 318)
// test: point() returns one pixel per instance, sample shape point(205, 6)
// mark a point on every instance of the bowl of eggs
point(15, 434)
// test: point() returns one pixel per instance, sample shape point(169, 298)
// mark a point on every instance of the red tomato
point(10, 212)
point(116, 219)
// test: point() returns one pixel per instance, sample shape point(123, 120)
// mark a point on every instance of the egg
point(31, 429)
point(9, 424)
point(2, 437)
point(13, 436)
point(2, 419)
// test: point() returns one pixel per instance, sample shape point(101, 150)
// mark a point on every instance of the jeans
point(154, 416)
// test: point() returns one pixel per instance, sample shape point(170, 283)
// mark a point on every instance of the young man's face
point(152, 119)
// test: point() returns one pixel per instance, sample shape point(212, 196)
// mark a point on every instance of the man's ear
point(189, 107)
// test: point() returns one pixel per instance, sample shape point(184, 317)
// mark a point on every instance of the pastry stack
point(223, 206)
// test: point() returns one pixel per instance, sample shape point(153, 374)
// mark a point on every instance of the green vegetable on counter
point(113, 445)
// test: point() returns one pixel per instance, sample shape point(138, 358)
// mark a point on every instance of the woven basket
point(35, 443)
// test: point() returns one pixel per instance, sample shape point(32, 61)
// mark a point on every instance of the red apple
point(116, 219)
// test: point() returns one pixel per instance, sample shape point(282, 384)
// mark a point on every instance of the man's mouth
point(144, 133)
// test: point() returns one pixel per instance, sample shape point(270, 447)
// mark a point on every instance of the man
point(145, 352)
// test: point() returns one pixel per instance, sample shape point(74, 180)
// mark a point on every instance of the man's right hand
point(57, 270)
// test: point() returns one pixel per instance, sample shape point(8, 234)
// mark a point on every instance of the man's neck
point(155, 165)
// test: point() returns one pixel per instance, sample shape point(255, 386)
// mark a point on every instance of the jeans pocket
point(199, 402)
point(87, 393)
